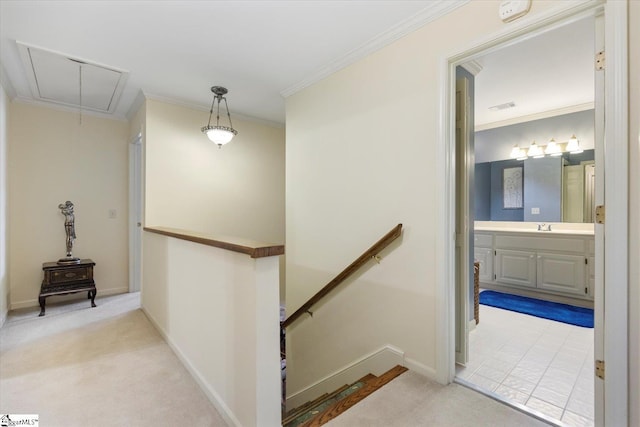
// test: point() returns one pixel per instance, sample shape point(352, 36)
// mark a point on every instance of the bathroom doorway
point(541, 366)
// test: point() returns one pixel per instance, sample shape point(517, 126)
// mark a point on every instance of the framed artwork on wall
point(512, 188)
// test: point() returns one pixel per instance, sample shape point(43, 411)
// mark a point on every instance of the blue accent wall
point(543, 189)
point(498, 213)
point(482, 193)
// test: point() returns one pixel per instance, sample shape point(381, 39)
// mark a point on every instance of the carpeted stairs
point(330, 405)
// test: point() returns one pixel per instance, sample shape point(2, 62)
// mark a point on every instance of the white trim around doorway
point(616, 177)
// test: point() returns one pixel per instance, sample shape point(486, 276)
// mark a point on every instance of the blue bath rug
point(570, 314)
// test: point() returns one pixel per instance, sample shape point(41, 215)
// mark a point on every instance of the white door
point(598, 285)
point(573, 193)
point(463, 248)
point(135, 214)
point(589, 192)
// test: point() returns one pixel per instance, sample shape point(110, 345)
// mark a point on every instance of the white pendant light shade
point(218, 134)
point(573, 146)
point(221, 135)
point(553, 149)
point(535, 151)
point(515, 152)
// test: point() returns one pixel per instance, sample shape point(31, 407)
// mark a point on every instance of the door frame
point(615, 251)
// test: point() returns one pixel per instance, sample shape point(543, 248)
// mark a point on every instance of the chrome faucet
point(541, 227)
point(544, 227)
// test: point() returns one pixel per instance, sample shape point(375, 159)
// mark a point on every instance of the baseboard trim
point(101, 293)
point(424, 370)
point(226, 412)
point(376, 362)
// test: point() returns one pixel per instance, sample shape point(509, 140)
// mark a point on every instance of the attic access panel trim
point(56, 78)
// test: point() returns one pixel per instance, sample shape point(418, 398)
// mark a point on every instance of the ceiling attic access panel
point(74, 82)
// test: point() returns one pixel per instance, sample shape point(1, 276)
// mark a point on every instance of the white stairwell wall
point(219, 312)
point(353, 170)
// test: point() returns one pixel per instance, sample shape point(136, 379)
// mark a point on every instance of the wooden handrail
point(372, 252)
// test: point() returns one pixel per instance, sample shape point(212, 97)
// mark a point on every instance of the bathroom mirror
point(518, 101)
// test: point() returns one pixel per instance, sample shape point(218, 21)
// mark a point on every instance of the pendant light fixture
point(218, 134)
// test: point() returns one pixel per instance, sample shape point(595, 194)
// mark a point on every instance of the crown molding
point(536, 116)
point(435, 10)
point(6, 83)
point(472, 66)
point(200, 107)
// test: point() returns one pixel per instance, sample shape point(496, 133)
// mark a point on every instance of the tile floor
point(544, 365)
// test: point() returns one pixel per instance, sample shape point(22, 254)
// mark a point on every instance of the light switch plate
point(535, 211)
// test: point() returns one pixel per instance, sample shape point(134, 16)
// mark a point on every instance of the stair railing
point(371, 253)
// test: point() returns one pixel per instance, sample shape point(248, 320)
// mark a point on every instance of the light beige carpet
point(412, 400)
point(103, 366)
point(108, 366)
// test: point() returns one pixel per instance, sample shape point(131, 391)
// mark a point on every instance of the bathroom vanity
point(519, 257)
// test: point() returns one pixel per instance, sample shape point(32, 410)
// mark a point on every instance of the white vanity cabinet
point(546, 262)
point(562, 273)
point(483, 253)
point(516, 268)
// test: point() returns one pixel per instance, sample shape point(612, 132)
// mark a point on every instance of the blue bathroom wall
point(498, 212)
point(543, 189)
point(482, 193)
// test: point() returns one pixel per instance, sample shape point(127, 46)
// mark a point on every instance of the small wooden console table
point(62, 279)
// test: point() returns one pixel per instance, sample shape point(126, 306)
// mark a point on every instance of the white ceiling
point(262, 50)
point(551, 72)
point(177, 50)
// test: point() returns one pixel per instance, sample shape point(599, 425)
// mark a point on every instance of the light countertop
point(532, 227)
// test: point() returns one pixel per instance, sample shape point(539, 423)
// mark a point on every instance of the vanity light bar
point(552, 148)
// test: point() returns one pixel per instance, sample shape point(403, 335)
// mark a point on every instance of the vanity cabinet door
point(516, 268)
point(485, 257)
point(562, 273)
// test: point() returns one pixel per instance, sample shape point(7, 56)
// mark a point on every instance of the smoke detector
point(513, 9)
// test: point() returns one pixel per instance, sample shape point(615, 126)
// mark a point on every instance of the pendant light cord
point(80, 90)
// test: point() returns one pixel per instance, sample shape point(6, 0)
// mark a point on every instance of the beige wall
point(361, 157)
point(237, 190)
point(54, 158)
point(4, 256)
point(218, 310)
point(634, 212)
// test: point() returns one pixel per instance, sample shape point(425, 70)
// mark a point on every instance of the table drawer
point(70, 275)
